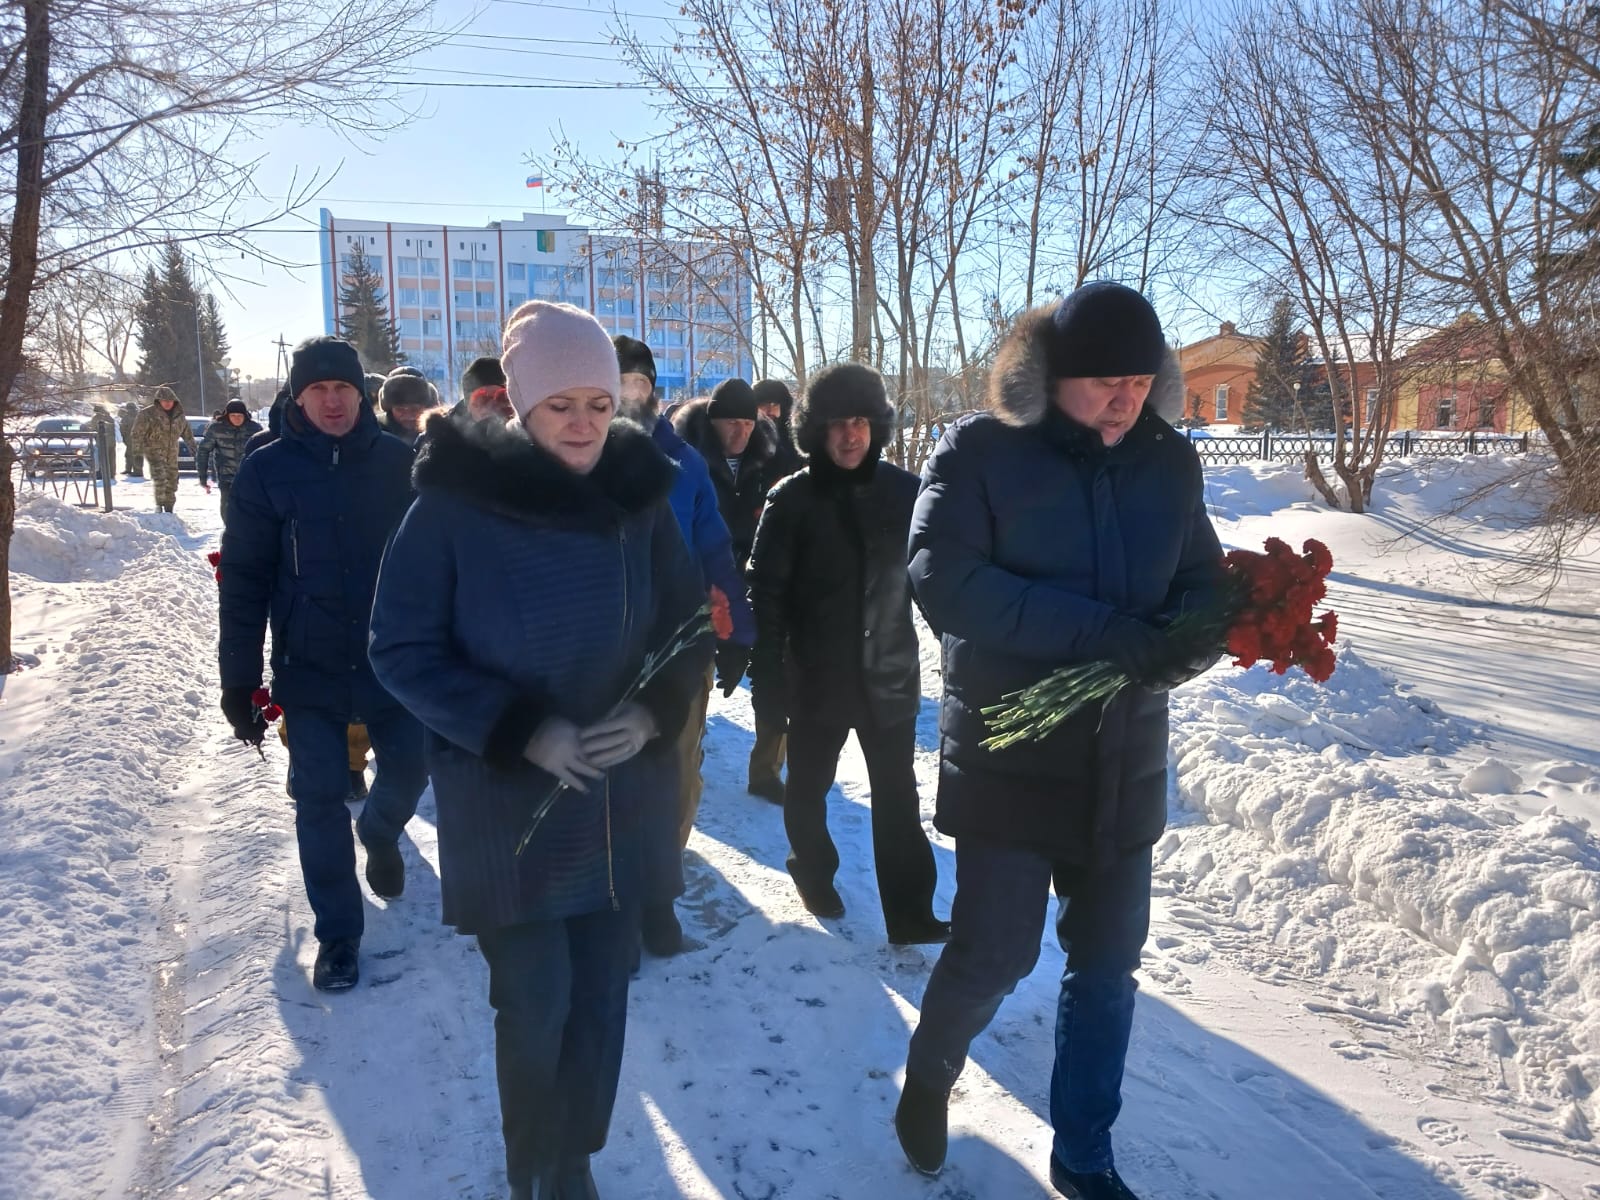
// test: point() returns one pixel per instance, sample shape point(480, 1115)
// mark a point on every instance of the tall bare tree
point(117, 123)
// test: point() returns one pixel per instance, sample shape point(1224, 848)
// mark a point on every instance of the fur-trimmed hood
point(1019, 385)
point(846, 395)
point(694, 427)
point(499, 468)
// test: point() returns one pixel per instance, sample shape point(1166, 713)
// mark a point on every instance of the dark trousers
point(900, 850)
point(995, 926)
point(560, 995)
point(224, 488)
point(319, 778)
point(767, 755)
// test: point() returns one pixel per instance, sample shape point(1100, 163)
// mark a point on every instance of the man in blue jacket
point(309, 519)
point(694, 503)
point(1066, 525)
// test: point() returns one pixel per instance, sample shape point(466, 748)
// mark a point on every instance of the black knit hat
point(323, 358)
point(1105, 330)
point(838, 392)
point(634, 357)
point(404, 386)
point(484, 371)
point(774, 391)
point(734, 400)
point(236, 406)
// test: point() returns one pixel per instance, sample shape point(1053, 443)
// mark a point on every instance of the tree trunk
point(21, 267)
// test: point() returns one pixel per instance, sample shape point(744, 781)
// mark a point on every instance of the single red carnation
point(721, 618)
point(1319, 556)
point(1328, 626)
point(261, 697)
point(215, 558)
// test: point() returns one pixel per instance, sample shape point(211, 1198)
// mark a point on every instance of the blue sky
point(463, 157)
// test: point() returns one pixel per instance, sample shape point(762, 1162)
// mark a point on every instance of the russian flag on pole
point(536, 181)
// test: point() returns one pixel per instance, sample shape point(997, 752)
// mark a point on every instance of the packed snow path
point(1374, 969)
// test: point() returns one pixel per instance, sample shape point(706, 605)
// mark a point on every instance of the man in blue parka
point(1065, 525)
point(694, 503)
point(308, 521)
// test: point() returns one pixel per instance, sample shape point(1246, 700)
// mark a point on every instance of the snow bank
point(104, 723)
point(1371, 856)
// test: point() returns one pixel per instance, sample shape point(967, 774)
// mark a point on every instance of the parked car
point(185, 457)
point(60, 446)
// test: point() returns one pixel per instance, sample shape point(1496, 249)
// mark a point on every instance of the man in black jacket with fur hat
point(1065, 526)
point(836, 649)
point(404, 398)
point(740, 447)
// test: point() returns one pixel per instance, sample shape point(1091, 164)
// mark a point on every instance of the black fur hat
point(402, 386)
point(775, 391)
point(634, 357)
point(733, 399)
point(843, 390)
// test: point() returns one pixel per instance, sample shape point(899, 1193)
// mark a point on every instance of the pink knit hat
point(548, 348)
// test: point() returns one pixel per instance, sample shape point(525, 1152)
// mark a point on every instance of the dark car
point(59, 446)
point(185, 455)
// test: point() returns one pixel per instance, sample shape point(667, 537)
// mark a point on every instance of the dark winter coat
point(223, 448)
point(274, 428)
point(739, 499)
point(829, 585)
point(308, 520)
point(515, 590)
point(694, 503)
point(1029, 536)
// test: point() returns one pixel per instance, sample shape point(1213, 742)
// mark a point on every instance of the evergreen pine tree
point(170, 316)
point(1269, 402)
point(364, 319)
point(214, 348)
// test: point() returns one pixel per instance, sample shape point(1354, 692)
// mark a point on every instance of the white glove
point(556, 746)
point(620, 736)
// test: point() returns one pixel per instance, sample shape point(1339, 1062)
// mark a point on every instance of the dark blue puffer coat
point(308, 520)
point(1029, 535)
point(516, 589)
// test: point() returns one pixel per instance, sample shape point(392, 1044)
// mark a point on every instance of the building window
point(1372, 402)
point(410, 327)
point(516, 270)
point(1445, 416)
point(666, 310)
point(461, 268)
point(485, 298)
point(1221, 411)
point(430, 266)
point(1486, 407)
point(515, 300)
point(615, 308)
point(466, 329)
point(406, 266)
point(485, 270)
point(430, 297)
point(433, 327)
point(671, 335)
point(409, 296)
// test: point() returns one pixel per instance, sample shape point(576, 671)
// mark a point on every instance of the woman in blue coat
point(538, 567)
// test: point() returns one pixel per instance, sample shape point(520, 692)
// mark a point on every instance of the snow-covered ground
point(1374, 969)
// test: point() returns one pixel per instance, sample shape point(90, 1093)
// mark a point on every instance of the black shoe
point(574, 1182)
point(1096, 1185)
point(821, 900)
point(386, 870)
point(543, 1187)
point(660, 931)
point(921, 1121)
point(924, 931)
point(336, 969)
point(770, 788)
point(358, 785)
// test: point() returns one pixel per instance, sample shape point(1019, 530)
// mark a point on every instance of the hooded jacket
point(740, 498)
point(156, 434)
point(1029, 535)
point(308, 519)
point(829, 586)
point(516, 589)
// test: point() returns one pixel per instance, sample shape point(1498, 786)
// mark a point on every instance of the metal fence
point(75, 467)
point(1292, 447)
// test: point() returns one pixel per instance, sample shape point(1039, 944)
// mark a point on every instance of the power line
point(633, 16)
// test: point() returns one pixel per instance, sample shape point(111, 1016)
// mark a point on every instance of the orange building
point(1217, 372)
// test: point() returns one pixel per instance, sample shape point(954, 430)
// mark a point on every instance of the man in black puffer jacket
point(1063, 526)
point(310, 517)
point(836, 649)
point(222, 448)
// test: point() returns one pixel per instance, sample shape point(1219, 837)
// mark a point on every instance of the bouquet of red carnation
point(1265, 615)
point(266, 713)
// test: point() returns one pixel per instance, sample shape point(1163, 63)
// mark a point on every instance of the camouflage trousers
point(165, 477)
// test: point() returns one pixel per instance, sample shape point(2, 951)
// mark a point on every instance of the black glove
point(732, 660)
point(1190, 652)
point(239, 706)
point(1136, 648)
point(769, 707)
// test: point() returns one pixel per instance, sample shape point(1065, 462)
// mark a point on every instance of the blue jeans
point(559, 990)
point(996, 923)
point(319, 777)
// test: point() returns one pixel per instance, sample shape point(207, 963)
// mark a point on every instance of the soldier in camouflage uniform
point(135, 463)
point(155, 437)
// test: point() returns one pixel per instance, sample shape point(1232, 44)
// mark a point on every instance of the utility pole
point(280, 369)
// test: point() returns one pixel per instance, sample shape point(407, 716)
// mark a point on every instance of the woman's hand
point(557, 747)
point(619, 737)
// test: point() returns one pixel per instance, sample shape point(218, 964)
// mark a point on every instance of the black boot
point(926, 930)
point(575, 1182)
point(358, 785)
point(543, 1187)
point(922, 1122)
point(768, 788)
point(1096, 1185)
point(660, 931)
point(386, 870)
point(337, 969)
point(821, 899)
